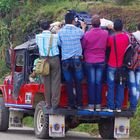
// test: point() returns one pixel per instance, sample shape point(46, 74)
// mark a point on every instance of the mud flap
point(56, 126)
point(15, 119)
point(122, 127)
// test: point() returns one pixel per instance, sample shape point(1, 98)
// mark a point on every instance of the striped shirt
point(43, 41)
point(69, 39)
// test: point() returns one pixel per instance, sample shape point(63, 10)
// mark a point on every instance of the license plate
point(122, 127)
point(56, 126)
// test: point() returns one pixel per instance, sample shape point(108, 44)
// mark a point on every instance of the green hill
point(19, 18)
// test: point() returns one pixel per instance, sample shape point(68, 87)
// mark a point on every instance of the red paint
point(37, 88)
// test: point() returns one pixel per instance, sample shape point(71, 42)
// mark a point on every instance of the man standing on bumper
point(53, 80)
point(69, 39)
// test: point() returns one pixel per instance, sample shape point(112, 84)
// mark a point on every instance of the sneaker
point(79, 107)
point(104, 109)
point(133, 110)
point(71, 107)
point(89, 108)
point(118, 110)
point(98, 107)
point(109, 110)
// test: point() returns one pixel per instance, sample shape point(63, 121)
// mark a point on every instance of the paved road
point(28, 134)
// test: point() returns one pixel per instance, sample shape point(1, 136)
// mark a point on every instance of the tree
point(123, 1)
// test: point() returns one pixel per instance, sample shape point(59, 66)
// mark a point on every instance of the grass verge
point(93, 128)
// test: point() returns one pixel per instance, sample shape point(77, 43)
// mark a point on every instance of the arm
point(59, 40)
point(109, 41)
point(84, 42)
point(83, 25)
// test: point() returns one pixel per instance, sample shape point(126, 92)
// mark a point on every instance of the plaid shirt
point(69, 39)
point(43, 41)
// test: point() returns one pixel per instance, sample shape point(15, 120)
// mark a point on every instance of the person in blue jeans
point(134, 88)
point(111, 104)
point(94, 81)
point(134, 80)
point(94, 45)
point(69, 39)
point(72, 71)
point(115, 63)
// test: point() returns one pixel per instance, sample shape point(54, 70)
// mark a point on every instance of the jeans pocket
point(102, 65)
point(78, 65)
point(65, 65)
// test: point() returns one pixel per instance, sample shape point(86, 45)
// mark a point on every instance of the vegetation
point(28, 121)
point(134, 128)
point(19, 19)
point(123, 1)
point(93, 128)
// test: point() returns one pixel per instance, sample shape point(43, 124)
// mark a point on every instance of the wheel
point(41, 122)
point(4, 116)
point(71, 123)
point(106, 128)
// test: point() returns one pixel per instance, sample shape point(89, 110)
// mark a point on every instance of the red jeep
point(20, 98)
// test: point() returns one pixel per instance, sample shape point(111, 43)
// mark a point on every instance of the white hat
point(105, 22)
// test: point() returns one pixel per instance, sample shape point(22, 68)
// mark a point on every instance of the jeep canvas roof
point(27, 45)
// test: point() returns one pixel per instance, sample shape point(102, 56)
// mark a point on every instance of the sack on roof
point(132, 54)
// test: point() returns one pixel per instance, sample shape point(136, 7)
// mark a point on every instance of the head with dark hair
point(118, 25)
point(95, 21)
point(69, 18)
point(44, 24)
point(139, 26)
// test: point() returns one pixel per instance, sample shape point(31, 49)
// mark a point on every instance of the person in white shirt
point(134, 80)
point(53, 80)
point(137, 33)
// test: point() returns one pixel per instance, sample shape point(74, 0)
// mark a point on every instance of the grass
point(28, 121)
point(135, 123)
point(89, 128)
point(31, 14)
point(93, 128)
point(134, 126)
point(21, 24)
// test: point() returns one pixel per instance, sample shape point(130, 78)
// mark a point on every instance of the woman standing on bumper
point(94, 46)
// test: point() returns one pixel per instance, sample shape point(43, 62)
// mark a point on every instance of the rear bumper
point(82, 112)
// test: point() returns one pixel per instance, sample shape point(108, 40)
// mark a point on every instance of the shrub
point(123, 1)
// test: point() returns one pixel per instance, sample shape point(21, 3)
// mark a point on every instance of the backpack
point(132, 53)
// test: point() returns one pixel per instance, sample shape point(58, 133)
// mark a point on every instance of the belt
point(49, 56)
point(76, 57)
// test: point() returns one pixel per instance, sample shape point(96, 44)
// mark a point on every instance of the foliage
point(3, 70)
point(123, 1)
point(4, 33)
point(135, 124)
point(28, 121)
point(134, 128)
point(93, 128)
point(7, 5)
point(19, 19)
